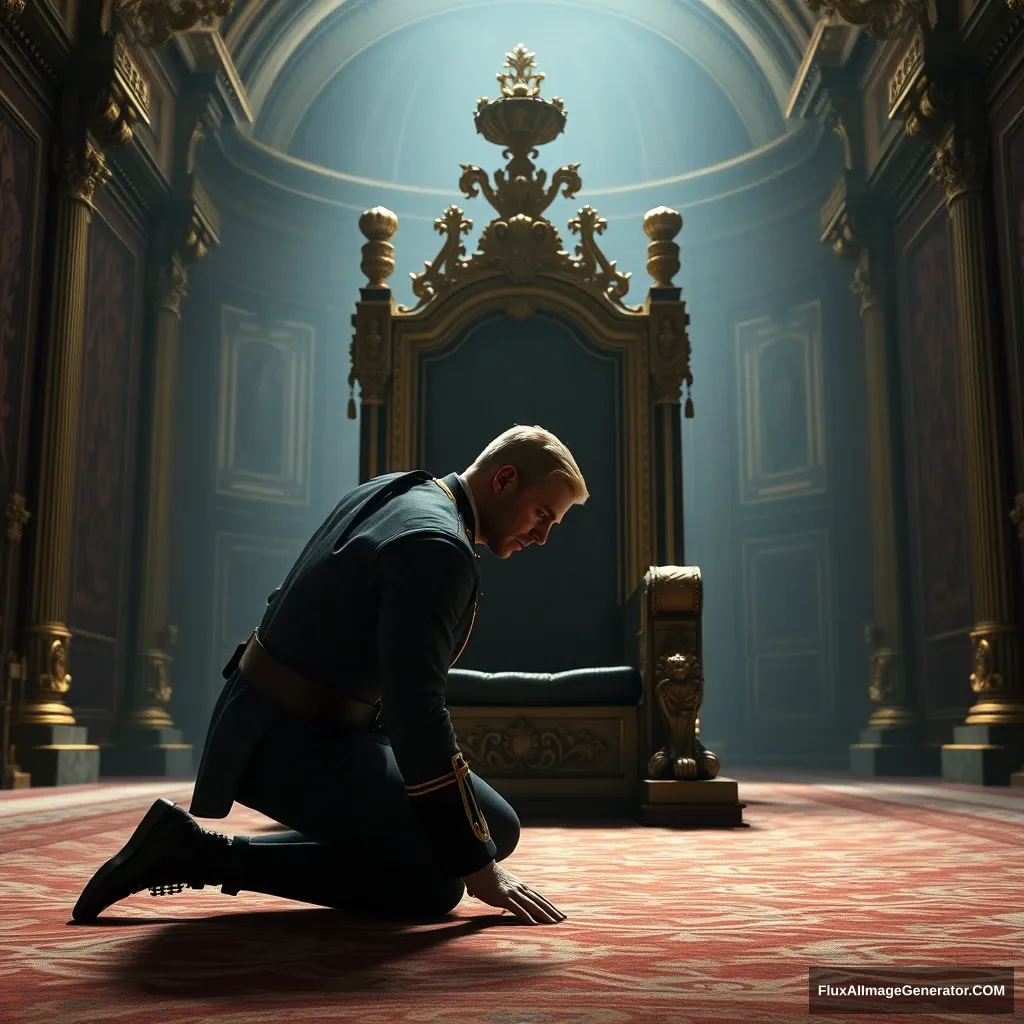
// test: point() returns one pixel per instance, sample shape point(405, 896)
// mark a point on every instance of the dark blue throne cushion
point(617, 685)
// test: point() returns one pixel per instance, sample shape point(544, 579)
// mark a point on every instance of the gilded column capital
point(11, 9)
point(82, 169)
point(961, 164)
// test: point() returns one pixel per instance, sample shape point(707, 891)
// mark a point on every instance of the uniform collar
point(468, 491)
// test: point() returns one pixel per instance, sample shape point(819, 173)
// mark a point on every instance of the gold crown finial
point(519, 80)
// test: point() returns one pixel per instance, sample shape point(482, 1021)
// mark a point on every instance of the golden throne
point(579, 691)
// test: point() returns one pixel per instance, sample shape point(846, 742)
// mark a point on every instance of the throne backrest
point(520, 331)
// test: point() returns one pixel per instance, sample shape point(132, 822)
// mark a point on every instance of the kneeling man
point(333, 719)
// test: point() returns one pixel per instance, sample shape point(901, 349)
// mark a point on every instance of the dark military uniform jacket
point(378, 606)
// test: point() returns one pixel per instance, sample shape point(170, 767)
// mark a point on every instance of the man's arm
point(425, 584)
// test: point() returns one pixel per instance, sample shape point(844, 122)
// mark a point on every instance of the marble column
point(49, 744)
point(893, 741)
point(990, 743)
point(146, 742)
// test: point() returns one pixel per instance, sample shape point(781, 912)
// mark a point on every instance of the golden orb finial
point(661, 225)
point(378, 226)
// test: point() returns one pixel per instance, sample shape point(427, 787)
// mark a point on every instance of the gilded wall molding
point(155, 21)
point(881, 19)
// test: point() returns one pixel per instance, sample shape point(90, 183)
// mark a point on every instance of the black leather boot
point(168, 851)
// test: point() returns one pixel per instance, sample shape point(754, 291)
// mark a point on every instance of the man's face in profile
point(518, 516)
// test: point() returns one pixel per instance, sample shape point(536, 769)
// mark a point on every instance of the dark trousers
point(354, 839)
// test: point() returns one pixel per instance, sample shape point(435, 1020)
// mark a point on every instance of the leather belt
point(299, 695)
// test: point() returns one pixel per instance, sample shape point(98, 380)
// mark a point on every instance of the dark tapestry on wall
point(17, 219)
point(102, 523)
point(940, 577)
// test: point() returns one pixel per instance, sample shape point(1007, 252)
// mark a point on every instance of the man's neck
point(467, 486)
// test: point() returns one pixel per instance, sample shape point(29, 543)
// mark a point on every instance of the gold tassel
point(688, 410)
point(351, 408)
point(351, 396)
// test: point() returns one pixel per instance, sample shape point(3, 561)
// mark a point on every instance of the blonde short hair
point(537, 454)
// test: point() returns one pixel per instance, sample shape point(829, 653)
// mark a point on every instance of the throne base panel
point(681, 803)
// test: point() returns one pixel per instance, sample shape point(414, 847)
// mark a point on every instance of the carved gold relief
point(11, 8)
point(961, 164)
point(881, 19)
point(57, 680)
point(524, 745)
point(675, 589)
point(679, 693)
point(881, 687)
point(520, 243)
point(82, 171)
point(985, 679)
point(158, 20)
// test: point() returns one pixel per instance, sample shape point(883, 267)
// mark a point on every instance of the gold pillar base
point(47, 677)
point(992, 711)
point(892, 717)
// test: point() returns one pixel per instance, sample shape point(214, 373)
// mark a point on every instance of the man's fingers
point(545, 903)
point(536, 907)
point(519, 910)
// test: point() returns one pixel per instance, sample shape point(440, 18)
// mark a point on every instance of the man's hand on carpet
point(496, 887)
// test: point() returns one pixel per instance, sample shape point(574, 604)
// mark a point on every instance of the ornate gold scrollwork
point(11, 8)
point(881, 19)
point(524, 745)
point(679, 693)
point(985, 679)
point(880, 688)
point(82, 171)
point(960, 165)
point(57, 681)
point(520, 242)
point(158, 20)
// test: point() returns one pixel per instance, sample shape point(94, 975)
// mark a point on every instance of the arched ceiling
point(287, 52)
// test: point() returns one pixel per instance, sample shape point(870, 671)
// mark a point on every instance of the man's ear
point(505, 478)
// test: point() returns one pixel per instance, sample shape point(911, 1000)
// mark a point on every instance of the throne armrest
point(664, 626)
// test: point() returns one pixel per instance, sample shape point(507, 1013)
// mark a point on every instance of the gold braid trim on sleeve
point(459, 775)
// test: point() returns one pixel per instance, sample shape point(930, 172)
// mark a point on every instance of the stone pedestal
point(58, 755)
point(679, 803)
point(983, 755)
point(148, 752)
point(899, 750)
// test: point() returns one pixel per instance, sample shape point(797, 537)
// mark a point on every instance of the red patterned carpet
point(665, 927)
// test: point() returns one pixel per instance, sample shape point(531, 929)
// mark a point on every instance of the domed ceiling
point(383, 90)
